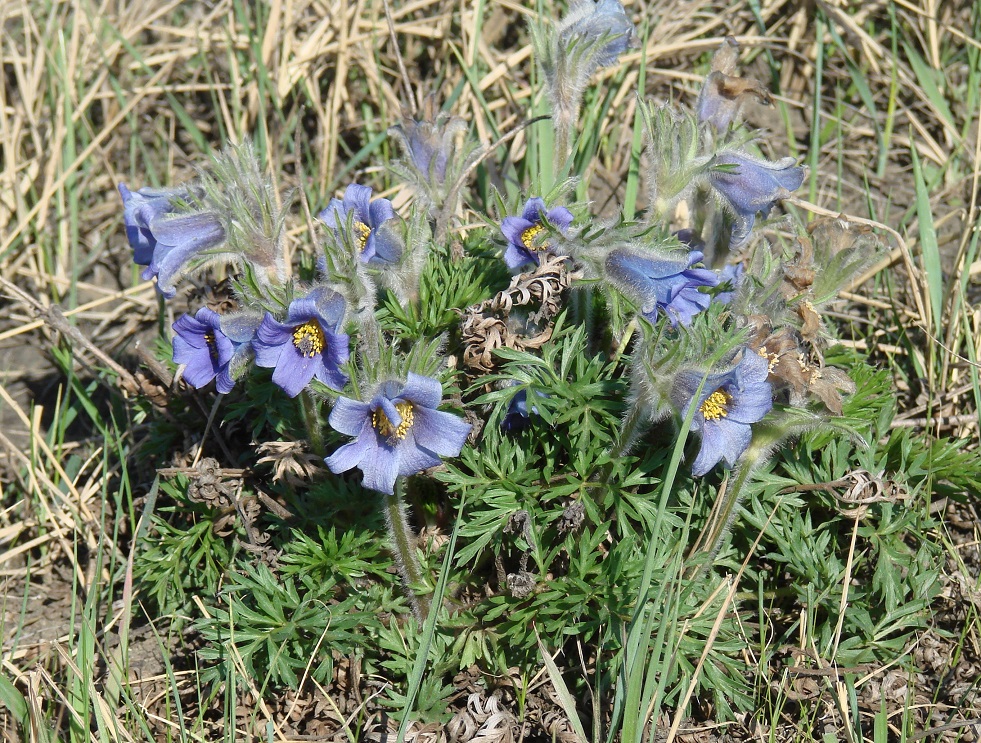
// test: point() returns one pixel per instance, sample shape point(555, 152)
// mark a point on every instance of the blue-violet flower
point(518, 414)
point(204, 349)
point(140, 208)
point(375, 245)
point(309, 344)
point(399, 433)
point(661, 282)
point(524, 233)
point(727, 406)
point(179, 239)
point(749, 185)
point(732, 274)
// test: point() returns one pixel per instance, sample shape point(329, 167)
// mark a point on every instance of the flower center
point(529, 235)
point(309, 339)
point(384, 426)
point(716, 405)
point(361, 232)
point(209, 338)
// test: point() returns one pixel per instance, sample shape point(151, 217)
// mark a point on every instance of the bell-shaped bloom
point(731, 275)
point(428, 143)
point(519, 412)
point(526, 235)
point(603, 23)
point(180, 239)
point(308, 344)
point(140, 208)
point(661, 282)
point(376, 243)
point(398, 433)
point(725, 409)
point(240, 327)
point(204, 349)
point(749, 185)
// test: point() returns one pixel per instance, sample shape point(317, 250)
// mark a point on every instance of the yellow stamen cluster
point(772, 359)
point(529, 235)
point(384, 426)
point(209, 338)
point(716, 405)
point(309, 339)
point(361, 232)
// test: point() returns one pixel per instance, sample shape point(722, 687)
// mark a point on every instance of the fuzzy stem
point(724, 510)
point(632, 428)
point(564, 121)
point(310, 407)
point(403, 548)
point(370, 335)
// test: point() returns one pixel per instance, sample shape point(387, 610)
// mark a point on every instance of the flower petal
point(349, 456)
point(381, 468)
point(379, 211)
point(334, 214)
point(439, 432)
point(534, 208)
point(513, 228)
point(179, 240)
point(384, 246)
point(350, 417)
point(358, 198)
point(516, 256)
point(421, 390)
point(413, 458)
point(560, 218)
point(294, 371)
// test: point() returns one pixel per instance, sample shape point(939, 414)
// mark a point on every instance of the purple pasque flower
point(398, 433)
point(240, 327)
point(429, 142)
point(518, 415)
point(309, 344)
point(604, 23)
point(725, 409)
point(376, 244)
point(731, 274)
point(181, 238)
point(524, 234)
point(140, 208)
point(661, 282)
point(165, 242)
point(748, 185)
point(201, 345)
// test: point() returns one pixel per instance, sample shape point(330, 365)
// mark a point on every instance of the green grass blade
point(929, 248)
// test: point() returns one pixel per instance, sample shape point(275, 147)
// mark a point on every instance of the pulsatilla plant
point(716, 323)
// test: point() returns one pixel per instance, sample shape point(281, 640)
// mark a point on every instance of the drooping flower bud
point(592, 35)
point(748, 185)
point(661, 281)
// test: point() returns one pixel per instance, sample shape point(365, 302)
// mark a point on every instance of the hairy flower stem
point(370, 334)
point(724, 510)
point(403, 547)
point(632, 428)
point(310, 407)
point(564, 122)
